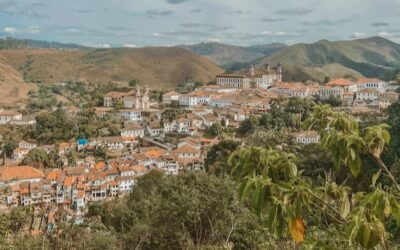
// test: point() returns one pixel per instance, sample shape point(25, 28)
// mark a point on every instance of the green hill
point(228, 55)
point(371, 57)
point(13, 43)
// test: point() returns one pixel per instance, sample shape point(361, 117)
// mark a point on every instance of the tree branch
point(382, 165)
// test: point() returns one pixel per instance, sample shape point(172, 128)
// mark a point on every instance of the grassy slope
point(12, 87)
point(369, 57)
point(156, 67)
point(226, 55)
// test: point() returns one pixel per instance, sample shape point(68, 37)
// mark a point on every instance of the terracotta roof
point(186, 149)
point(125, 178)
point(140, 169)
point(340, 82)
point(100, 165)
point(154, 153)
point(17, 150)
point(68, 181)
point(53, 174)
point(64, 145)
point(132, 126)
point(19, 173)
point(75, 171)
point(9, 113)
point(171, 93)
point(365, 80)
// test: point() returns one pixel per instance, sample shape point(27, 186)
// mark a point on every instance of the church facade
point(134, 99)
point(262, 78)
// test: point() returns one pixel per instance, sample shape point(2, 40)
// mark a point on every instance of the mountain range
point(12, 43)
point(370, 57)
point(227, 55)
point(166, 67)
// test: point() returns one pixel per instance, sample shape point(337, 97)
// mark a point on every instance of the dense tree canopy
point(185, 211)
point(277, 190)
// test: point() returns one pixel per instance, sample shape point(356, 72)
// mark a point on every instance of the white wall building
point(131, 114)
point(7, 116)
point(188, 100)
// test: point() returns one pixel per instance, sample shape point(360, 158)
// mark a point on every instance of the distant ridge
point(227, 55)
point(161, 67)
point(12, 43)
point(370, 57)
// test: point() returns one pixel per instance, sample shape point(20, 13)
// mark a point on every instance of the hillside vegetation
point(227, 55)
point(372, 57)
point(12, 86)
point(163, 68)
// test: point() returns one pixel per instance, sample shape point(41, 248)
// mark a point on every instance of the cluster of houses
point(363, 92)
point(233, 99)
point(369, 92)
point(88, 181)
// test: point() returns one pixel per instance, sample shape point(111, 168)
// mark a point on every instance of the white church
point(134, 99)
point(262, 78)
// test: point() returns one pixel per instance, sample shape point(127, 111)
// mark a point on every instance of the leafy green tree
point(393, 121)
point(54, 127)
point(179, 212)
point(271, 181)
point(217, 157)
point(249, 125)
point(215, 129)
point(36, 157)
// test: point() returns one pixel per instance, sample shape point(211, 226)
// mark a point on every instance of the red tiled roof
point(19, 173)
point(365, 80)
point(340, 82)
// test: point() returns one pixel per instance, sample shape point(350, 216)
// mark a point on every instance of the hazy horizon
point(140, 23)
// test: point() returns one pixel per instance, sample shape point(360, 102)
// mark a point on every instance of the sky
point(137, 23)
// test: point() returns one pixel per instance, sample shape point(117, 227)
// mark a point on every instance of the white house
point(222, 100)
point(307, 137)
point(326, 92)
point(126, 183)
point(27, 145)
point(186, 151)
point(114, 143)
point(372, 83)
point(367, 95)
point(131, 114)
point(188, 100)
point(133, 129)
point(263, 78)
point(6, 116)
point(169, 97)
point(155, 129)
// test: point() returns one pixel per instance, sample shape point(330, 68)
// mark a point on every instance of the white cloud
point(72, 31)
point(278, 33)
point(358, 35)
point(385, 34)
point(10, 30)
point(103, 46)
point(33, 29)
point(129, 45)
